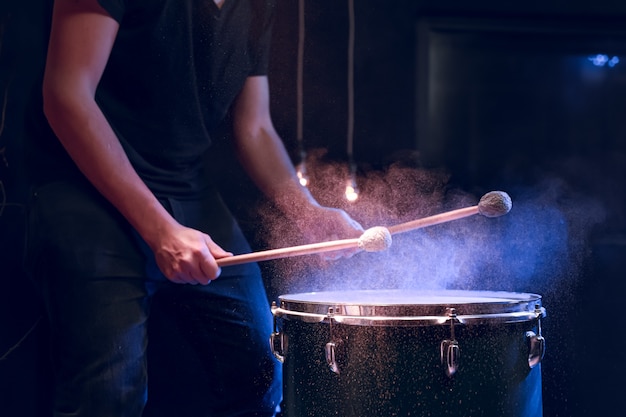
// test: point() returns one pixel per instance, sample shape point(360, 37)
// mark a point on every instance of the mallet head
point(375, 239)
point(495, 204)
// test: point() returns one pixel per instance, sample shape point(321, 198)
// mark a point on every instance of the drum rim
point(507, 306)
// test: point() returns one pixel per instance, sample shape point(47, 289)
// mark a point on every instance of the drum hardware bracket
point(449, 349)
point(330, 348)
point(535, 341)
point(277, 342)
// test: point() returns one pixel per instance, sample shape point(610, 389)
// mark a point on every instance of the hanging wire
point(301, 168)
point(300, 70)
point(350, 142)
point(352, 192)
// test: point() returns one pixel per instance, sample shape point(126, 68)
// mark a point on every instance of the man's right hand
point(187, 256)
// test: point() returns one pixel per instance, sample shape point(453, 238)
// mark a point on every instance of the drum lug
point(277, 345)
point(536, 343)
point(330, 348)
point(330, 357)
point(536, 348)
point(449, 349)
point(450, 354)
point(277, 339)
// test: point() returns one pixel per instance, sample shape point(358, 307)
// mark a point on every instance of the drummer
point(124, 223)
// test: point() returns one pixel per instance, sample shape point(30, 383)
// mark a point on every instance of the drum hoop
point(516, 317)
point(509, 308)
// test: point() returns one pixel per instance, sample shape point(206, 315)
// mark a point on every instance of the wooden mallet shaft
point(433, 220)
point(288, 252)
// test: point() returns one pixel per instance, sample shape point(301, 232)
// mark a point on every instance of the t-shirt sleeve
point(115, 8)
point(261, 39)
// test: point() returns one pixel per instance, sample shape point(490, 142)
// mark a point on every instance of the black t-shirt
point(174, 70)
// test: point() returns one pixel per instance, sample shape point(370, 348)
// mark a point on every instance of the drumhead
point(372, 306)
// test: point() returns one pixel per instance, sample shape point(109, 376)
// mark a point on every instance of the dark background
point(497, 95)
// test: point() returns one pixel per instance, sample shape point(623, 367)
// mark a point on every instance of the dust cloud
point(540, 243)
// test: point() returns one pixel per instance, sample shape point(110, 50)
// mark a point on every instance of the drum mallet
point(376, 239)
point(492, 204)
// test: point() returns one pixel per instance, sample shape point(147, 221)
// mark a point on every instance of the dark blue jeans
point(117, 323)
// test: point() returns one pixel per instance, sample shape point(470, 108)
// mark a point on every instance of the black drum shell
point(396, 370)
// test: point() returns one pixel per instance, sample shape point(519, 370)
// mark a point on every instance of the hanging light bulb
point(302, 175)
point(352, 191)
point(301, 172)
